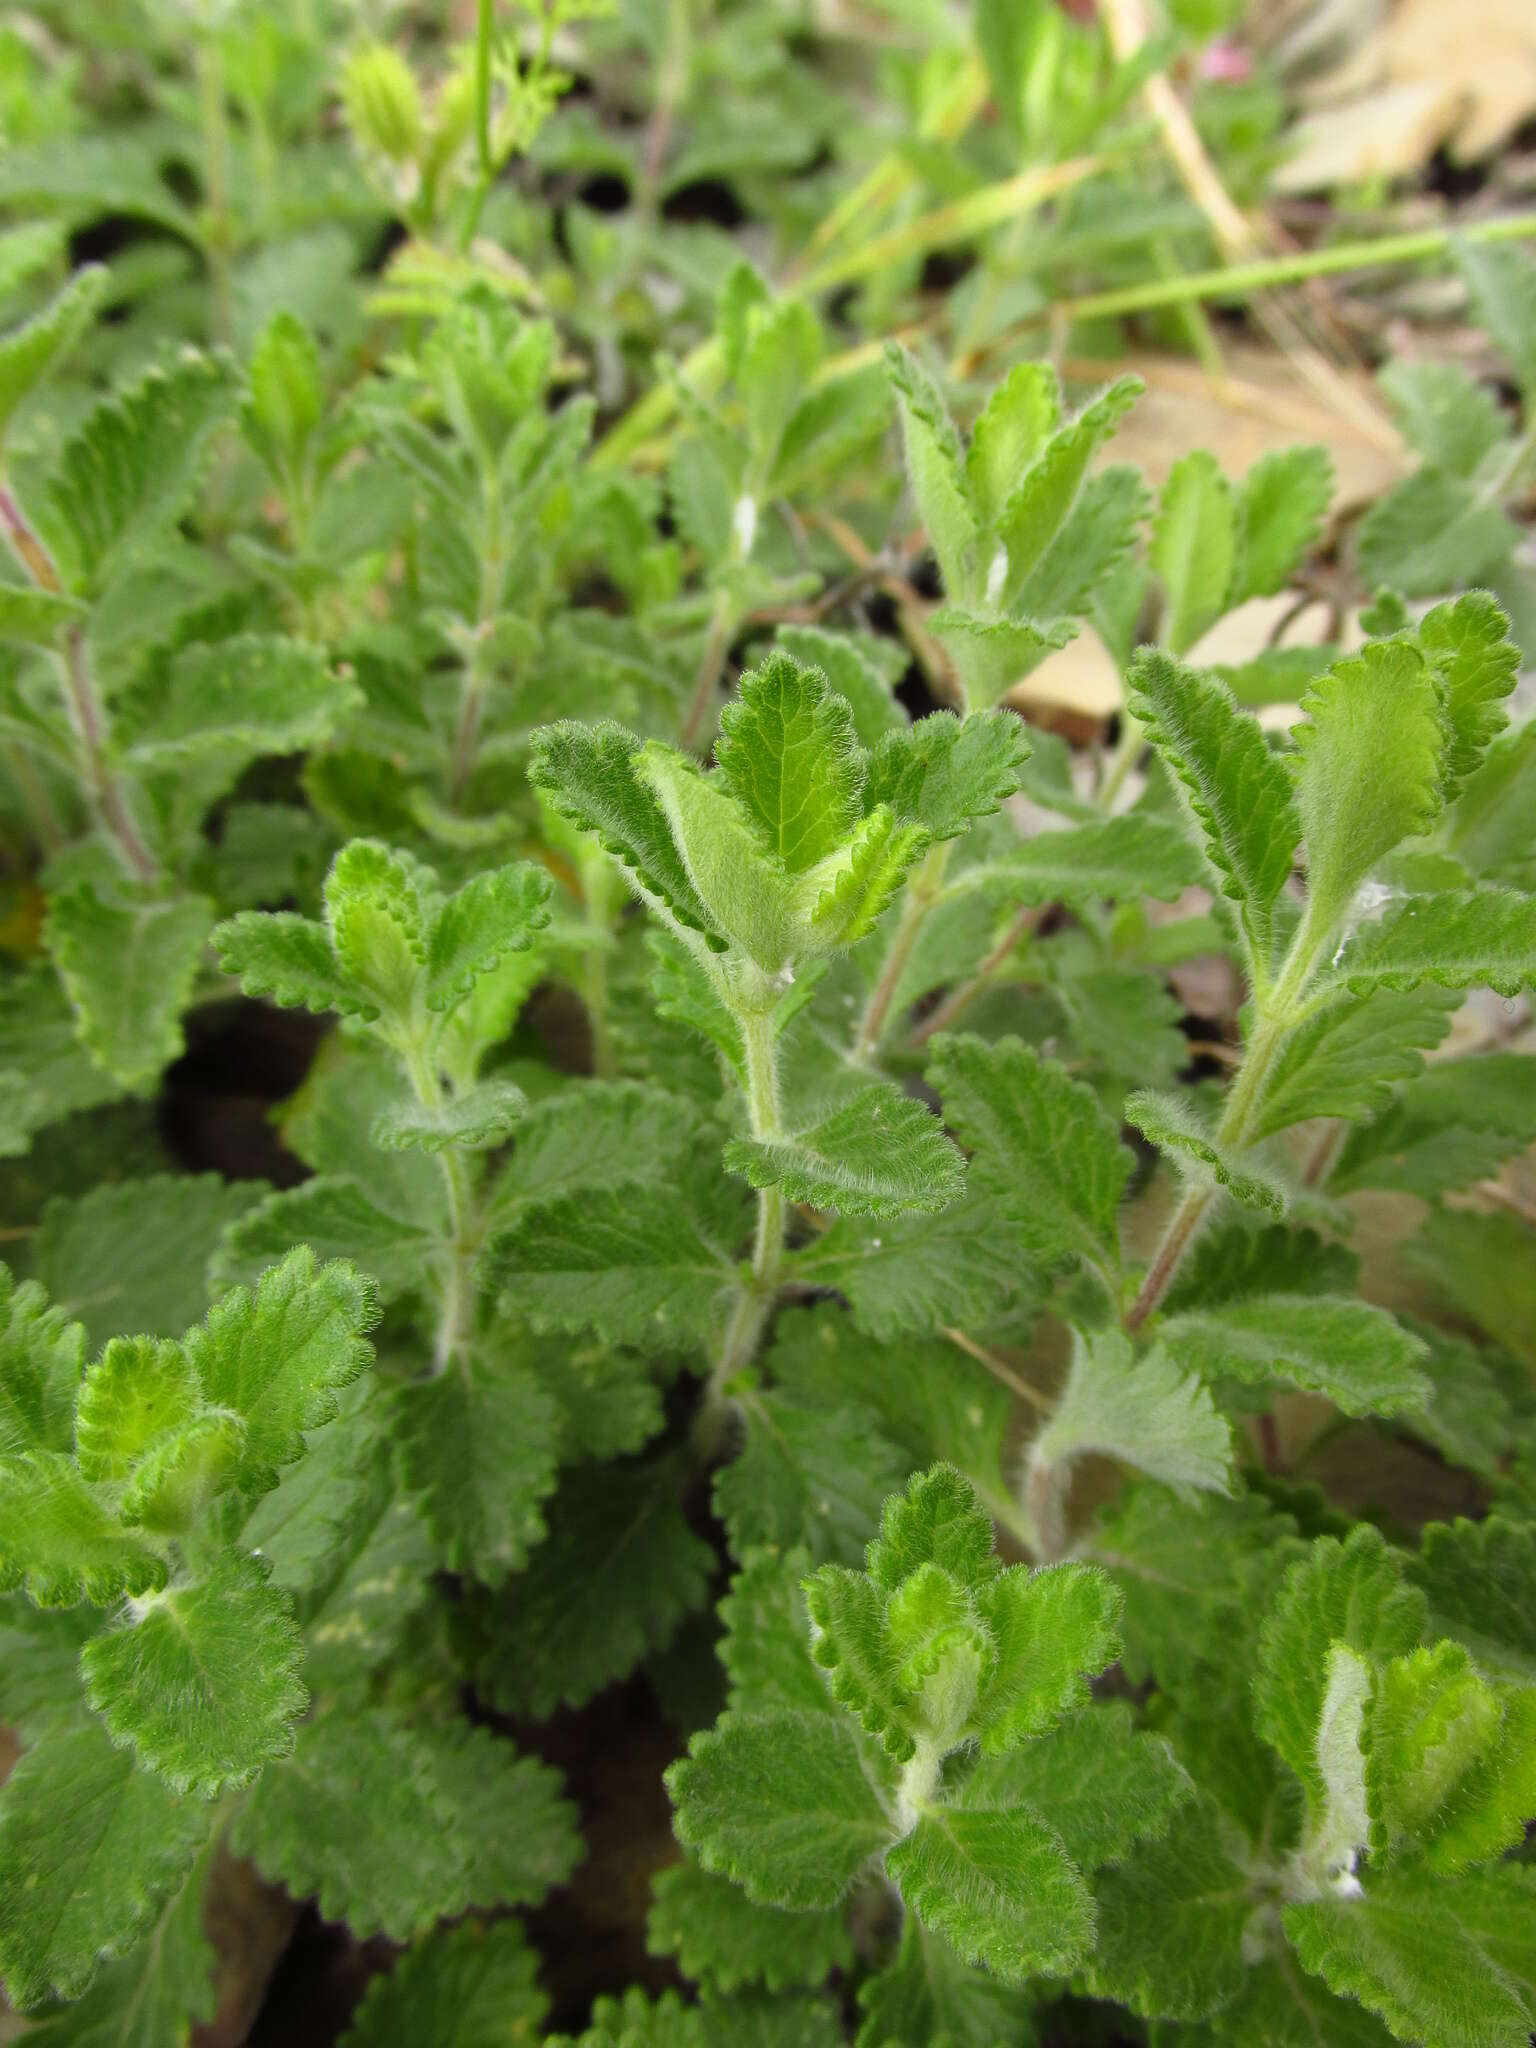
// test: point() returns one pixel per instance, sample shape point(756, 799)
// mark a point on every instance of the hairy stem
point(455, 1317)
point(216, 232)
point(965, 993)
point(478, 668)
point(921, 894)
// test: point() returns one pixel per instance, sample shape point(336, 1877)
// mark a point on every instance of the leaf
point(204, 1685)
point(1170, 1923)
point(1502, 286)
point(857, 666)
point(938, 1520)
point(138, 1391)
point(1051, 1630)
point(593, 1132)
point(377, 918)
point(1018, 419)
point(1355, 1355)
point(766, 1648)
point(1453, 1125)
point(483, 1116)
point(1236, 790)
point(41, 1355)
point(285, 957)
point(129, 969)
point(1447, 417)
point(991, 655)
point(1479, 1260)
point(807, 1474)
point(479, 1447)
point(250, 695)
point(1042, 1146)
point(1343, 1060)
point(782, 1804)
point(329, 1820)
point(29, 352)
point(1466, 642)
point(1121, 858)
point(588, 774)
point(1238, 1259)
point(466, 1988)
point(285, 396)
point(131, 1255)
point(788, 755)
point(335, 1220)
point(89, 1849)
point(943, 772)
point(718, 1936)
point(1461, 939)
point(1177, 1128)
point(60, 1542)
point(879, 1153)
point(276, 1355)
point(1430, 534)
point(1089, 546)
point(495, 913)
point(920, 1274)
point(745, 891)
point(1149, 1412)
point(637, 1265)
point(153, 1994)
point(936, 472)
point(928, 1998)
point(1480, 1581)
point(521, 1837)
point(551, 1643)
point(1194, 548)
point(999, 1887)
point(1282, 503)
point(36, 618)
point(1446, 1964)
point(1351, 1593)
point(45, 1073)
point(1103, 1785)
point(1040, 503)
point(135, 465)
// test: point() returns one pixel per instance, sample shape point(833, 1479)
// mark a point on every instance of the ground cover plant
point(725, 1320)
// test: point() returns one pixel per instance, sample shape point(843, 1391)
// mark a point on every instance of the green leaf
point(1453, 1125)
point(593, 1132)
point(1170, 1923)
point(1447, 417)
point(942, 772)
point(520, 1835)
point(1018, 419)
point(1351, 1593)
point(284, 397)
point(1355, 1355)
point(1236, 790)
point(496, 913)
point(29, 352)
point(879, 1153)
point(1343, 1059)
point(1447, 1963)
point(1237, 1259)
point(1149, 1412)
point(1479, 1260)
point(482, 1117)
point(1480, 1581)
point(1431, 534)
point(335, 1219)
point(41, 1355)
point(1103, 1785)
point(1502, 285)
point(766, 1648)
point(788, 755)
point(588, 774)
point(139, 1390)
point(806, 1474)
point(377, 919)
point(328, 1823)
point(549, 1642)
point(45, 1073)
point(1461, 939)
point(1122, 858)
point(936, 472)
point(36, 618)
point(479, 1446)
point(60, 1542)
point(469, 1987)
point(132, 1254)
point(1089, 546)
point(783, 1804)
point(920, 1273)
point(153, 1994)
point(1282, 503)
point(136, 464)
point(128, 968)
point(276, 1355)
point(1177, 1128)
point(991, 655)
point(287, 958)
point(1194, 547)
point(638, 1265)
point(938, 1520)
point(928, 1998)
point(1051, 1630)
point(251, 694)
point(744, 890)
point(1367, 767)
point(1042, 1146)
point(999, 1887)
point(89, 1849)
point(1466, 642)
point(1041, 502)
point(858, 667)
point(718, 1936)
point(204, 1682)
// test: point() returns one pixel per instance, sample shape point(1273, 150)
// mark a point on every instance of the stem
point(961, 997)
point(922, 893)
point(1127, 752)
point(216, 233)
point(485, 17)
point(477, 669)
point(1045, 1503)
point(1182, 1225)
point(711, 665)
point(594, 996)
point(453, 1324)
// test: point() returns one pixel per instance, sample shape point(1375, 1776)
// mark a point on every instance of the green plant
point(965, 1298)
